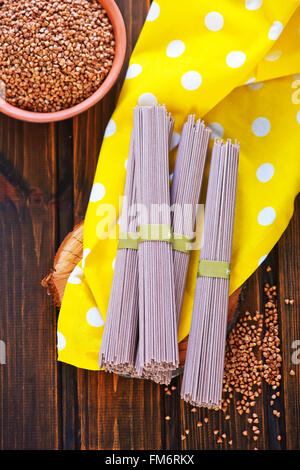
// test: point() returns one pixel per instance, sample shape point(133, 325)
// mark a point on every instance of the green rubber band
point(129, 240)
point(218, 269)
point(181, 243)
point(156, 233)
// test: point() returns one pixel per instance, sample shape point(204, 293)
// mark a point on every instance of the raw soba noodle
point(204, 365)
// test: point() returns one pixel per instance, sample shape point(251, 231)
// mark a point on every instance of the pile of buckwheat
point(253, 355)
point(53, 54)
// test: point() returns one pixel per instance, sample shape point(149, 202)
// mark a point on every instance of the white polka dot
point(175, 48)
point(110, 129)
point(265, 172)
point(147, 99)
point(235, 59)
point(266, 216)
point(154, 12)
point(273, 55)
point(251, 80)
point(175, 140)
point(298, 116)
point(255, 86)
point(171, 176)
point(214, 21)
point(94, 318)
point(262, 259)
point(261, 127)
point(133, 71)
point(253, 4)
point(76, 276)
point(113, 263)
point(217, 130)
point(85, 254)
point(126, 162)
point(61, 341)
point(275, 30)
point(191, 80)
point(97, 193)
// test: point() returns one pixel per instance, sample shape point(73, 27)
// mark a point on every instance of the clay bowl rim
point(117, 21)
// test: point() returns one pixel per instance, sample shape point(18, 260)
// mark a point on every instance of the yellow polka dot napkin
point(235, 64)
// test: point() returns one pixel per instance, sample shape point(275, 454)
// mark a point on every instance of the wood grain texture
point(29, 379)
point(289, 280)
point(46, 173)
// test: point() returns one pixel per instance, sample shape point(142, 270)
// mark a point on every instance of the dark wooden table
point(46, 172)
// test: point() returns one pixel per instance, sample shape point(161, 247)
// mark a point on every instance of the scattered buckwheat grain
point(244, 370)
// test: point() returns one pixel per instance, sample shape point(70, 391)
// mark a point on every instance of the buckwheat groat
point(53, 54)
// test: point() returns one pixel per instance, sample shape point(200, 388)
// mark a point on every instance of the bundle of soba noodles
point(204, 365)
point(140, 334)
point(157, 346)
point(119, 341)
point(185, 195)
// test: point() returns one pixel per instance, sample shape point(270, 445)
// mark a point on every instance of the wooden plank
point(28, 408)
point(118, 413)
point(65, 183)
point(289, 280)
point(70, 432)
point(170, 407)
point(268, 274)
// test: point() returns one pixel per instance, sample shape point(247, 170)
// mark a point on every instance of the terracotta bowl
point(120, 38)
